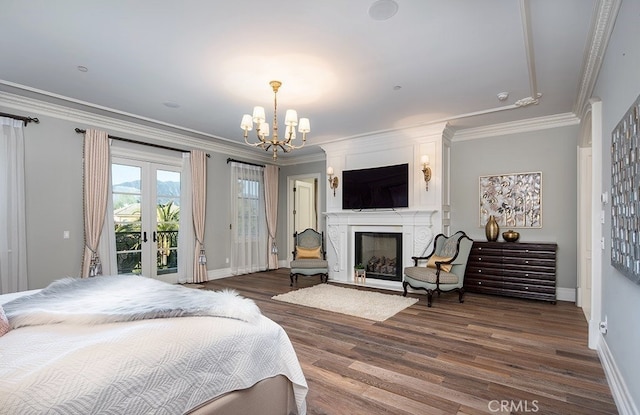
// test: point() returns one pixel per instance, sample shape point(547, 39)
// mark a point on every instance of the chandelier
point(262, 128)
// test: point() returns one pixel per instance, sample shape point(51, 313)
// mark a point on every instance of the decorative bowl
point(510, 236)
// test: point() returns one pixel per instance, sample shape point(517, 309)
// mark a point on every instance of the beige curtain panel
point(271, 204)
point(96, 187)
point(199, 181)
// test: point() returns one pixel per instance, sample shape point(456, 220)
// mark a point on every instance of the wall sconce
point(426, 170)
point(333, 180)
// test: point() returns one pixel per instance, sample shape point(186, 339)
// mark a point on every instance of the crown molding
point(112, 125)
point(604, 17)
point(515, 127)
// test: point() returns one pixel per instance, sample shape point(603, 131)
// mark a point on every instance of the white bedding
point(159, 366)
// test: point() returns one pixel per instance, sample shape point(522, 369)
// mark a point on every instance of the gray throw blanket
point(108, 299)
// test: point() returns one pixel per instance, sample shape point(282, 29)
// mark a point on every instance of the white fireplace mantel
point(415, 226)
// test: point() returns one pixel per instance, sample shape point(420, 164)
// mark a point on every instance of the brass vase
point(491, 229)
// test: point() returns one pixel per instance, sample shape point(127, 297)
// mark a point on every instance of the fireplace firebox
point(380, 253)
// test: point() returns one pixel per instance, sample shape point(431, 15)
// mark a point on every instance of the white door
point(305, 215)
point(146, 210)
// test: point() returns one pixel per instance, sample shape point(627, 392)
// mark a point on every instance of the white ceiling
point(351, 74)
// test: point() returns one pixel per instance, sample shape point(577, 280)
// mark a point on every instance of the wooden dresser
point(514, 269)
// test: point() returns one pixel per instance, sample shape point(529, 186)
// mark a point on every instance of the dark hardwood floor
point(487, 355)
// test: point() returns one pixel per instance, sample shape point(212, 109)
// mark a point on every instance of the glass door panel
point(146, 210)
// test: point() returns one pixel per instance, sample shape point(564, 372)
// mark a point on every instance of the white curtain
point(271, 205)
point(13, 242)
point(96, 190)
point(199, 199)
point(248, 222)
point(107, 244)
point(186, 237)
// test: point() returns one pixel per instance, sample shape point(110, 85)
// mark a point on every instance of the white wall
point(618, 86)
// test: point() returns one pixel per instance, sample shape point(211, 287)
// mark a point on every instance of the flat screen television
point(376, 188)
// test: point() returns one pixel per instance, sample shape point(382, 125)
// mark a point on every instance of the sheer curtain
point(13, 242)
point(248, 222)
point(271, 204)
point(186, 239)
point(107, 244)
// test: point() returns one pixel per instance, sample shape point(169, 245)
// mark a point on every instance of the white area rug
point(359, 303)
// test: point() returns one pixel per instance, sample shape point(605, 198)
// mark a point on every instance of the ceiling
point(197, 66)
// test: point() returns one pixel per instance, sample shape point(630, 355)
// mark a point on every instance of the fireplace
point(380, 253)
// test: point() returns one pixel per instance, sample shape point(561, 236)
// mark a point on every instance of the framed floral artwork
point(514, 199)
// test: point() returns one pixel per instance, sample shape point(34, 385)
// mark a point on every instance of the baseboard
point(619, 390)
point(216, 274)
point(566, 294)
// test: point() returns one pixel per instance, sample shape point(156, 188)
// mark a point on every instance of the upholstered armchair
point(443, 269)
point(309, 257)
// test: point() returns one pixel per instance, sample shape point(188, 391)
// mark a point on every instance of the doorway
point(146, 211)
point(302, 205)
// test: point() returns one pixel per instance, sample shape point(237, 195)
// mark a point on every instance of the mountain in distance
point(164, 188)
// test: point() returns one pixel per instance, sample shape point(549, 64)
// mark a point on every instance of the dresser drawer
point(524, 270)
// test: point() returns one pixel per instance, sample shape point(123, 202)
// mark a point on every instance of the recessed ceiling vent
point(383, 9)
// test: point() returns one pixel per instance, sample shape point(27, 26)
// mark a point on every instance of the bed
point(71, 356)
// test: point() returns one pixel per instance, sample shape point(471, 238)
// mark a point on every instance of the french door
point(146, 212)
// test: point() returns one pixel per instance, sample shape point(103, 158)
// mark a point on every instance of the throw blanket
point(108, 299)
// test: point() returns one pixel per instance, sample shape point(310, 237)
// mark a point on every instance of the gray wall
point(551, 151)
point(618, 86)
point(53, 181)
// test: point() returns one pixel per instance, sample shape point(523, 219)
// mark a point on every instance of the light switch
point(65, 234)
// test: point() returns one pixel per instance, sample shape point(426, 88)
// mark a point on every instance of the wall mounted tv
point(376, 188)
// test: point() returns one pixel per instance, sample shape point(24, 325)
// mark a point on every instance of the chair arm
point(419, 258)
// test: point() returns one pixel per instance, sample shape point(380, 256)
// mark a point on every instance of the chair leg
point(404, 285)
point(429, 297)
point(291, 276)
point(461, 295)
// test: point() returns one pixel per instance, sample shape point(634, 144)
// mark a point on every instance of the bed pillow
point(444, 267)
point(307, 253)
point(4, 322)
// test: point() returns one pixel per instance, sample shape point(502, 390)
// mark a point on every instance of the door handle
point(144, 237)
point(154, 237)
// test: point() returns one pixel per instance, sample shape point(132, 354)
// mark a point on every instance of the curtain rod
point(25, 120)
point(128, 140)
point(229, 160)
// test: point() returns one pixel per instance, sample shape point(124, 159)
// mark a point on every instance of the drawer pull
point(479, 282)
point(526, 262)
point(526, 275)
point(480, 271)
point(479, 258)
point(526, 288)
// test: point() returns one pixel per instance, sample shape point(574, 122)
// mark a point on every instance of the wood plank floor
point(487, 355)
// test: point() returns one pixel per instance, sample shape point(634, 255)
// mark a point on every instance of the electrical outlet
point(226, 260)
point(604, 325)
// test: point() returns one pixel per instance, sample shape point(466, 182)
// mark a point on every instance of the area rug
point(359, 303)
